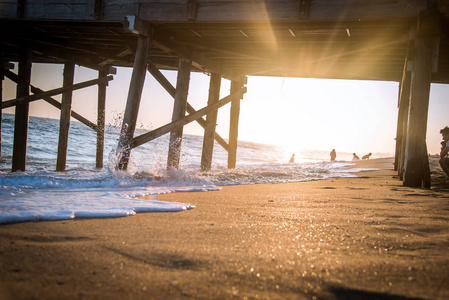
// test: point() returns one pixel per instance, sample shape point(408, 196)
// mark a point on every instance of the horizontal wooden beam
point(146, 137)
point(215, 11)
point(278, 10)
point(13, 102)
point(172, 90)
point(15, 78)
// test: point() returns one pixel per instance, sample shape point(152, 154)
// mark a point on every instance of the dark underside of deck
point(279, 38)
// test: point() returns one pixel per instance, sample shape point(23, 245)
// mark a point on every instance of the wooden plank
point(101, 108)
point(179, 111)
point(171, 90)
point(212, 11)
point(61, 9)
point(279, 10)
point(416, 149)
point(22, 111)
point(133, 101)
point(211, 122)
point(13, 77)
point(8, 9)
point(64, 120)
point(27, 99)
point(146, 137)
point(234, 125)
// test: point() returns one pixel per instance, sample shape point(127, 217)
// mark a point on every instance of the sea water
point(40, 193)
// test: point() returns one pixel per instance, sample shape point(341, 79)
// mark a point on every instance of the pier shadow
point(161, 260)
point(342, 293)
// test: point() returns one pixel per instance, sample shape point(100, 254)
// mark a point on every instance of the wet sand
point(343, 238)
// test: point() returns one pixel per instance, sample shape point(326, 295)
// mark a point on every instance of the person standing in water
point(333, 155)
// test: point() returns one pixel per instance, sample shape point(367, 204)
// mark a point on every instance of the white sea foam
point(83, 192)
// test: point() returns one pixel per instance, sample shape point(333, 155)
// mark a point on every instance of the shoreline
point(340, 238)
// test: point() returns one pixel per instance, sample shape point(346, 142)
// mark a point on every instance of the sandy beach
point(343, 238)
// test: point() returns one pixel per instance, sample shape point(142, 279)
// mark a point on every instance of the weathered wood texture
point(211, 10)
point(133, 101)
point(64, 120)
point(234, 123)
point(403, 108)
point(179, 111)
point(416, 160)
point(278, 10)
point(401, 140)
point(22, 111)
point(211, 122)
point(101, 110)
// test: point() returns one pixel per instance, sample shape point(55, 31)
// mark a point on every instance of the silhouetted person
point(355, 157)
point(444, 161)
point(292, 159)
point(367, 156)
point(333, 155)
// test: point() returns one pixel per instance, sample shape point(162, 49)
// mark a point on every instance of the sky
point(295, 113)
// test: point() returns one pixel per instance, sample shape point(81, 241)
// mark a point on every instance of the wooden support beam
point(133, 101)
point(7, 66)
point(403, 105)
point(13, 77)
point(416, 173)
point(234, 123)
point(137, 26)
point(401, 139)
point(1, 111)
point(146, 137)
point(171, 90)
point(27, 99)
point(98, 10)
point(64, 120)
point(211, 122)
point(101, 108)
point(22, 111)
point(179, 111)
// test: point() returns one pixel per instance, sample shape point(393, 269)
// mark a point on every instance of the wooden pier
point(402, 40)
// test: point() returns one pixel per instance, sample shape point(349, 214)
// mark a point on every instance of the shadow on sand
point(352, 294)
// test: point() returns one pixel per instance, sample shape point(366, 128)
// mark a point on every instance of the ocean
point(82, 191)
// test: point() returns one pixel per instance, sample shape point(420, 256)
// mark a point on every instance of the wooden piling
point(416, 161)
point(133, 101)
point(179, 111)
point(22, 110)
point(64, 121)
point(211, 122)
point(1, 111)
point(401, 140)
point(234, 123)
point(101, 108)
point(172, 91)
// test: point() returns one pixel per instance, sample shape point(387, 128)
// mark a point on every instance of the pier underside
point(403, 41)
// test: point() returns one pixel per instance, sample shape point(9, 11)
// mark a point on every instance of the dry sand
point(345, 238)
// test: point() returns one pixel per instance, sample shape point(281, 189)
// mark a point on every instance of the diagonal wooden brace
point(171, 90)
point(146, 137)
point(13, 77)
point(13, 102)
